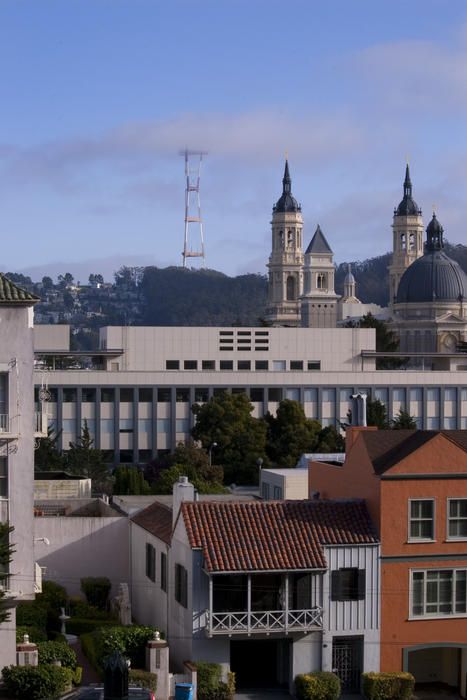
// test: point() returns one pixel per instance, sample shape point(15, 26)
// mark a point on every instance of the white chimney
point(182, 491)
point(358, 409)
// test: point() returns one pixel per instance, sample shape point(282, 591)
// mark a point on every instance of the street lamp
point(214, 444)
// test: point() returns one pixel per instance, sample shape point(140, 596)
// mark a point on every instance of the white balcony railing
point(264, 622)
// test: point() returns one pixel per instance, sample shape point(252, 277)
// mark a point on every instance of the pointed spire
point(287, 180)
point(407, 183)
point(408, 207)
point(434, 234)
point(318, 243)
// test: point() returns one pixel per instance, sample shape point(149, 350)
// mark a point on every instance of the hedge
point(79, 626)
point(56, 651)
point(88, 645)
point(36, 682)
point(143, 679)
point(29, 614)
point(319, 685)
point(388, 686)
point(210, 685)
point(35, 634)
point(97, 590)
point(80, 608)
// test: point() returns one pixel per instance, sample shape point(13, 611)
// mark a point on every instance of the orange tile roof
point(274, 535)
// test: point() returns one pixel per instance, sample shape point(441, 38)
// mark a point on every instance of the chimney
point(182, 491)
point(358, 424)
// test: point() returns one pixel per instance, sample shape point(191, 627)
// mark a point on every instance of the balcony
point(264, 622)
point(7, 430)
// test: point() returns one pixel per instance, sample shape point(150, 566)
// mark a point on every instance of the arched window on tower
point(403, 242)
point(291, 295)
point(281, 240)
point(412, 241)
point(289, 238)
point(321, 282)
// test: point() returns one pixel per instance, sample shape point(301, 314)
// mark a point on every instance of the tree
point(130, 481)
point(290, 434)
point(239, 439)
point(85, 460)
point(47, 457)
point(65, 279)
point(404, 421)
point(47, 283)
point(167, 478)
point(386, 341)
point(6, 554)
point(376, 414)
point(329, 440)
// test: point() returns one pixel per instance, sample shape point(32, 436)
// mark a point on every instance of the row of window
point(181, 574)
point(422, 519)
point(245, 365)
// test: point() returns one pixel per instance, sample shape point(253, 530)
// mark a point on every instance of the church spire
point(287, 180)
point(407, 183)
point(286, 202)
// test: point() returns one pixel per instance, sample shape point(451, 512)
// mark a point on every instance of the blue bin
point(184, 691)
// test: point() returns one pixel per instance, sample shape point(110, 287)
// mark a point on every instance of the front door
point(347, 653)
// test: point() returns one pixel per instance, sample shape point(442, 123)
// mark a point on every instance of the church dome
point(408, 206)
point(286, 201)
point(434, 276)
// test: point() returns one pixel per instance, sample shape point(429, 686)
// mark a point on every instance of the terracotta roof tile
point(11, 293)
point(274, 535)
point(156, 519)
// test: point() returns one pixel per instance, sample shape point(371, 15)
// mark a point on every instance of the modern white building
point(136, 390)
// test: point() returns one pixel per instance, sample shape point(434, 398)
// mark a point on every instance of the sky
point(98, 98)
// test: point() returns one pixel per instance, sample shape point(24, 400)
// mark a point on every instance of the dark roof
point(286, 201)
point(156, 519)
point(433, 277)
point(318, 243)
point(11, 293)
point(408, 206)
point(388, 447)
point(274, 535)
point(54, 476)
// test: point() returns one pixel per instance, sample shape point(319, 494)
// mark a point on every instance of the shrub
point(36, 682)
point(88, 645)
point(130, 640)
point(388, 686)
point(143, 679)
point(96, 589)
point(210, 683)
point(319, 685)
point(29, 614)
point(56, 651)
point(79, 626)
point(79, 608)
point(35, 634)
point(53, 596)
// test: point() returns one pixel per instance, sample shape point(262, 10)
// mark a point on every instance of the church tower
point(286, 259)
point(407, 237)
point(319, 300)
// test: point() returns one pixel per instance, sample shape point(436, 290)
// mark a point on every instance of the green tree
point(290, 434)
point(240, 439)
point(85, 460)
point(168, 477)
point(130, 481)
point(6, 554)
point(403, 421)
point(386, 341)
point(47, 457)
point(376, 414)
point(329, 440)
point(47, 282)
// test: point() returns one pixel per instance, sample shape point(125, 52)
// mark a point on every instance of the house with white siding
point(269, 589)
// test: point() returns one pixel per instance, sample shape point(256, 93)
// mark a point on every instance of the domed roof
point(434, 276)
point(286, 202)
point(408, 206)
point(349, 278)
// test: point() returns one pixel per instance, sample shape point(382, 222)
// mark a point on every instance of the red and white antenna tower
point(193, 205)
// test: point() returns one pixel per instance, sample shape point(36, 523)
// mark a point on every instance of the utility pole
point(193, 205)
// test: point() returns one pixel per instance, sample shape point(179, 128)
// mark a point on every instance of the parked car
point(96, 692)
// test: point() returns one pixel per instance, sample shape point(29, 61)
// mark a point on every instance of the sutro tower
point(192, 204)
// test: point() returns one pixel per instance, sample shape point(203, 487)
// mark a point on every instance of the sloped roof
point(274, 535)
point(318, 243)
point(11, 293)
point(156, 519)
point(388, 447)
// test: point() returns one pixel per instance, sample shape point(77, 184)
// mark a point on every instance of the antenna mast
point(192, 204)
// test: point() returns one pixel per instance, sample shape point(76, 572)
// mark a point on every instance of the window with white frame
point(421, 519)
point(457, 518)
point(438, 592)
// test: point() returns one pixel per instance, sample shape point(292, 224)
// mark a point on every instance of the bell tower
point(407, 237)
point(286, 259)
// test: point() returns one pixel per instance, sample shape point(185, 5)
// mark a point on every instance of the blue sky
point(99, 96)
